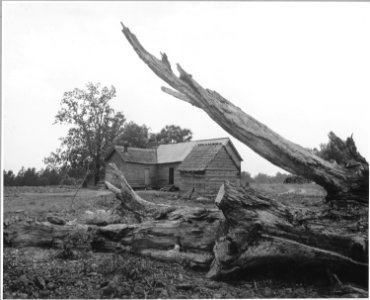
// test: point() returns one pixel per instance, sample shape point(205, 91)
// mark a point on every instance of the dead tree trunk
point(174, 239)
point(348, 181)
point(263, 232)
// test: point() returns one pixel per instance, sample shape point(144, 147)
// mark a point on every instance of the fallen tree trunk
point(170, 240)
point(263, 232)
point(252, 231)
point(182, 234)
point(341, 181)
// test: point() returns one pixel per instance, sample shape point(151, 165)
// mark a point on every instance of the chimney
point(125, 147)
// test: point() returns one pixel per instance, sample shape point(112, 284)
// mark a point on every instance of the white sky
point(301, 68)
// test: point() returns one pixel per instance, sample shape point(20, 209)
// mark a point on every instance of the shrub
point(75, 245)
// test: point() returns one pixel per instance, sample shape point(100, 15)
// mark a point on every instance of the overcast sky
point(302, 68)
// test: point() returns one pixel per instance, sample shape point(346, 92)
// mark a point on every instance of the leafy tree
point(173, 134)
point(9, 178)
point(141, 137)
point(135, 135)
point(280, 177)
point(27, 177)
point(94, 128)
point(262, 178)
point(49, 176)
point(246, 178)
point(30, 177)
point(19, 180)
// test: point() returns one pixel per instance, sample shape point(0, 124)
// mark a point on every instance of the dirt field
point(43, 273)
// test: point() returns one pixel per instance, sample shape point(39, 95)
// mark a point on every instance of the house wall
point(220, 169)
point(134, 172)
point(191, 180)
point(231, 152)
point(162, 174)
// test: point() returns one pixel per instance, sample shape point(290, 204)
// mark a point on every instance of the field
point(46, 273)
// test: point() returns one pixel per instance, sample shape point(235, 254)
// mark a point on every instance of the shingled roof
point(137, 155)
point(170, 153)
point(199, 158)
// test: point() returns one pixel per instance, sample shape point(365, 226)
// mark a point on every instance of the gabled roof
point(199, 158)
point(137, 155)
point(170, 153)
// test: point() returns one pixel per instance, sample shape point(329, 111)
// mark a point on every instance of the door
point(171, 176)
point(146, 177)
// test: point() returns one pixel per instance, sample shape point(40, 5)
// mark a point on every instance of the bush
point(75, 245)
point(296, 180)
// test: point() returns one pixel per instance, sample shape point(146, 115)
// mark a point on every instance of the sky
point(301, 68)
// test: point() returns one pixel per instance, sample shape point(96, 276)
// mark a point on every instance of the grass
point(74, 271)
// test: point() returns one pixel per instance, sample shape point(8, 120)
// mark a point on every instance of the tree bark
point(263, 232)
point(340, 181)
point(171, 240)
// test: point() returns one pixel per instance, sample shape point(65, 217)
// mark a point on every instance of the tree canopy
point(135, 135)
point(173, 134)
point(140, 136)
point(31, 177)
point(94, 127)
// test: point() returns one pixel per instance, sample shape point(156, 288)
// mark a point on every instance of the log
point(341, 181)
point(250, 232)
point(174, 233)
point(263, 232)
point(176, 240)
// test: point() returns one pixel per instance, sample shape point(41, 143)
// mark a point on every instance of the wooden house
point(202, 165)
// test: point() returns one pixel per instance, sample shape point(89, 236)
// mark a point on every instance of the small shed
point(202, 165)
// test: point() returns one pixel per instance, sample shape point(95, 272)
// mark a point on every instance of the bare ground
point(46, 273)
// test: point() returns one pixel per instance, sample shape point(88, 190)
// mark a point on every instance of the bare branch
point(336, 179)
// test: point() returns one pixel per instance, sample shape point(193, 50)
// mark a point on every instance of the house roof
point(200, 156)
point(137, 155)
point(170, 153)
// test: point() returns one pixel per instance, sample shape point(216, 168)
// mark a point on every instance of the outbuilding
point(202, 165)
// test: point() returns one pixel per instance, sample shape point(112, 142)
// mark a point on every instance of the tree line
point(48, 176)
point(260, 178)
point(31, 177)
